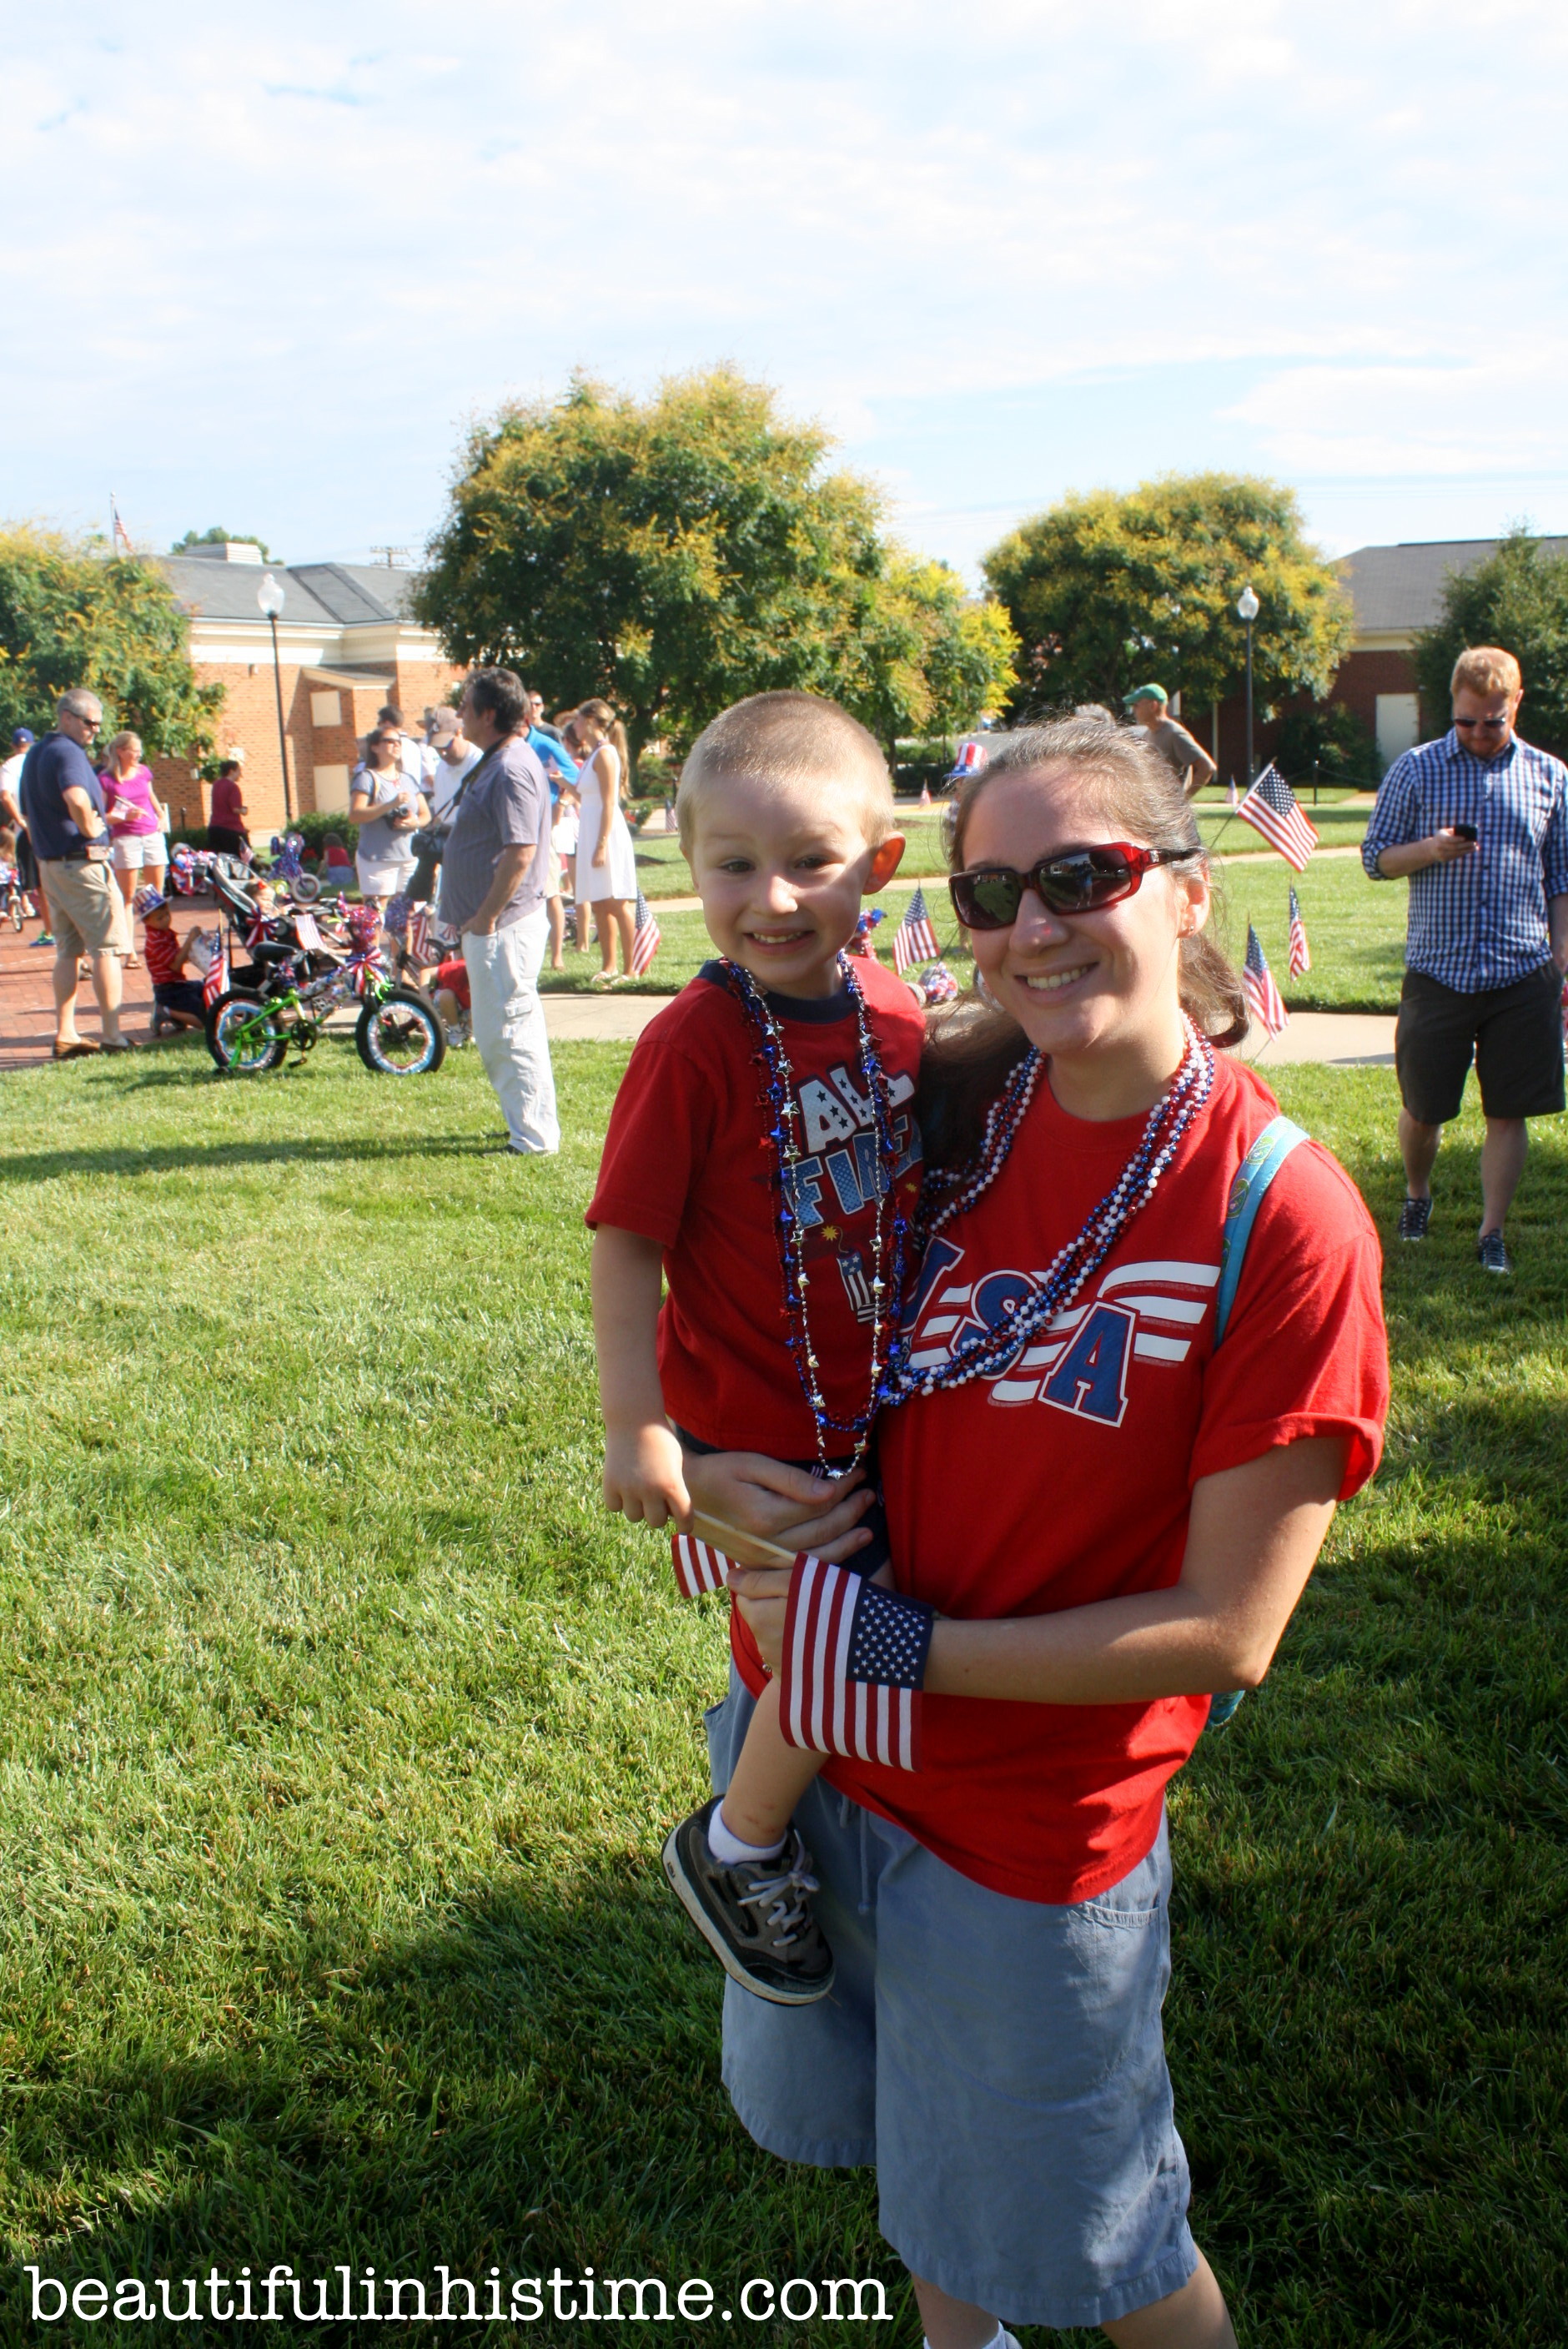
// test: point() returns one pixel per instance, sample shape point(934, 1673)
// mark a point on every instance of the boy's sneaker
point(1494, 1255)
point(456, 1035)
point(756, 1916)
point(45, 938)
point(1414, 1217)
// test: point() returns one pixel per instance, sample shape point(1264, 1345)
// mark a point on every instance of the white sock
point(999, 2340)
point(729, 1850)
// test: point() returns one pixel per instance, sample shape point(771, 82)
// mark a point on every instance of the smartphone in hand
point(1465, 830)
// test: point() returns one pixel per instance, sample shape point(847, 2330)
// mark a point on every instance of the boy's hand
point(644, 1478)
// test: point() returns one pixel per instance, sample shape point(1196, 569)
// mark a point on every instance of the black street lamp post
point(270, 596)
point(1247, 612)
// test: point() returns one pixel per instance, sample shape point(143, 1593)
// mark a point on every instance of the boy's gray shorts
point(1001, 2062)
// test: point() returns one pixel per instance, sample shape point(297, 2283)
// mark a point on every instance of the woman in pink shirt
point(138, 821)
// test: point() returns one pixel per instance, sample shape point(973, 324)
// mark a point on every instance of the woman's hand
point(601, 857)
point(762, 1595)
point(787, 1506)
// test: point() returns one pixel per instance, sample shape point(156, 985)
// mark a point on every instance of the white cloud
point(271, 262)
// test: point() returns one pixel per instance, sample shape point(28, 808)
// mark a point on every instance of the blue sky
point(262, 265)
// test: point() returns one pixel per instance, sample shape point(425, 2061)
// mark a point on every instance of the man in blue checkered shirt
point(1480, 824)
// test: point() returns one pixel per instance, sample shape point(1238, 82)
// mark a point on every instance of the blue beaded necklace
point(889, 1229)
point(989, 1352)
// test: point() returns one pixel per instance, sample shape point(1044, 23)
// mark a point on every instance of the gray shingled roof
point(1398, 589)
point(332, 594)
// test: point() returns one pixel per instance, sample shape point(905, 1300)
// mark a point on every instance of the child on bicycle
point(787, 817)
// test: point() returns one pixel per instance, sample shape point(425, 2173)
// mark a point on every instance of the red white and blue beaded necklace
point(989, 1352)
point(890, 1227)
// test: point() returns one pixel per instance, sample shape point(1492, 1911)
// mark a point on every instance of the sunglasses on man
point(1480, 725)
point(1080, 881)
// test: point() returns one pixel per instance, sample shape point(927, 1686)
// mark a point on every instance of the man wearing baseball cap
point(1148, 705)
point(22, 740)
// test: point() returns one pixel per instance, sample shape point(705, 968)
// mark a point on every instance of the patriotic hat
point(146, 901)
point(972, 757)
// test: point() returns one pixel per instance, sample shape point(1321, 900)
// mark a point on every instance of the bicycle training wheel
point(241, 1035)
point(400, 1035)
point(305, 890)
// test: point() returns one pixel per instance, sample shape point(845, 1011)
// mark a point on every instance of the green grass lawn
point(1355, 929)
point(341, 1728)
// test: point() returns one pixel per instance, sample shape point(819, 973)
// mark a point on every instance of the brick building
point(346, 646)
point(1397, 591)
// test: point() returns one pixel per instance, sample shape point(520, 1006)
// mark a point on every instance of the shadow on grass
point(44, 1165)
point(533, 2083)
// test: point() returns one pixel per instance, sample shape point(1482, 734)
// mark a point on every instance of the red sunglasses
point(1080, 881)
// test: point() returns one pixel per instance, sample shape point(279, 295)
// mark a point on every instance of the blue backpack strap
point(1256, 1172)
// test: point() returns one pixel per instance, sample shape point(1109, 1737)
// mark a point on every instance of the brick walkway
point(27, 1002)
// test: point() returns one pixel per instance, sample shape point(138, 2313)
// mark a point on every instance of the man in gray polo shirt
point(494, 871)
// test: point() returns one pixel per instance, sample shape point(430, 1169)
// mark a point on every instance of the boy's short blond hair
point(788, 738)
point(1485, 669)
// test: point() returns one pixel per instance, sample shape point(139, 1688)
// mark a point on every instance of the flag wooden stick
point(736, 1545)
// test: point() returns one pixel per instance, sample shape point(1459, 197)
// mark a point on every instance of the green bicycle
point(399, 1032)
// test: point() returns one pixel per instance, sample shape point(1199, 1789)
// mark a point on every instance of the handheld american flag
point(855, 1658)
point(1258, 986)
point(914, 940)
point(644, 937)
point(1270, 807)
point(1300, 952)
point(699, 1567)
point(216, 982)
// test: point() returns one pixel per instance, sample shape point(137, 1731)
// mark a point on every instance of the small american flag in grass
point(855, 1658)
point(1270, 807)
point(216, 982)
point(1258, 986)
point(1300, 952)
point(699, 1567)
point(914, 940)
point(644, 937)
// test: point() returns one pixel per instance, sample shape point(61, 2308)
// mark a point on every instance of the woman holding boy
point(1112, 1513)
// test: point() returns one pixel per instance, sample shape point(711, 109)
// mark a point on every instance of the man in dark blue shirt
point(63, 803)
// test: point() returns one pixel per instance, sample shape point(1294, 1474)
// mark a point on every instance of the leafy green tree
point(1109, 591)
point(217, 536)
point(1519, 599)
point(69, 615)
point(1328, 743)
point(676, 553)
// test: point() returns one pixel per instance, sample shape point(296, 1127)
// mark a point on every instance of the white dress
point(617, 876)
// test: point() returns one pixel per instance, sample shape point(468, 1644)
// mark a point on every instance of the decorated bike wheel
point(400, 1034)
point(242, 1035)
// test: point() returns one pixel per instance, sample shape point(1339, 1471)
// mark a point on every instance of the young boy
point(759, 1086)
point(174, 996)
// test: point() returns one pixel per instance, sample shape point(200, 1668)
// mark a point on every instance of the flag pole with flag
point(216, 982)
point(914, 940)
point(1300, 952)
point(1263, 1000)
point(120, 537)
point(644, 937)
point(1271, 808)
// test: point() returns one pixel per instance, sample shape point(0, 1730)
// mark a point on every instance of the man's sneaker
point(1495, 1257)
point(757, 1917)
point(1414, 1217)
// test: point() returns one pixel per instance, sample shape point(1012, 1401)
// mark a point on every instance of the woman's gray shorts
point(1001, 2062)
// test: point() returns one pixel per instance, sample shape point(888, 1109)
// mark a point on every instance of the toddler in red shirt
point(761, 1160)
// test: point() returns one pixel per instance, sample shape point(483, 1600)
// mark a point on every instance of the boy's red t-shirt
point(689, 1163)
point(1070, 1479)
point(455, 975)
point(163, 955)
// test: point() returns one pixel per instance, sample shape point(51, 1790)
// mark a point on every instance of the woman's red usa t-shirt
point(689, 1163)
point(1069, 1478)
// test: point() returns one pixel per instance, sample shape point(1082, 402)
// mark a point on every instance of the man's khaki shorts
point(84, 907)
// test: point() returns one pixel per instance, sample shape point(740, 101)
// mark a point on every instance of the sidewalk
point(1346, 1039)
